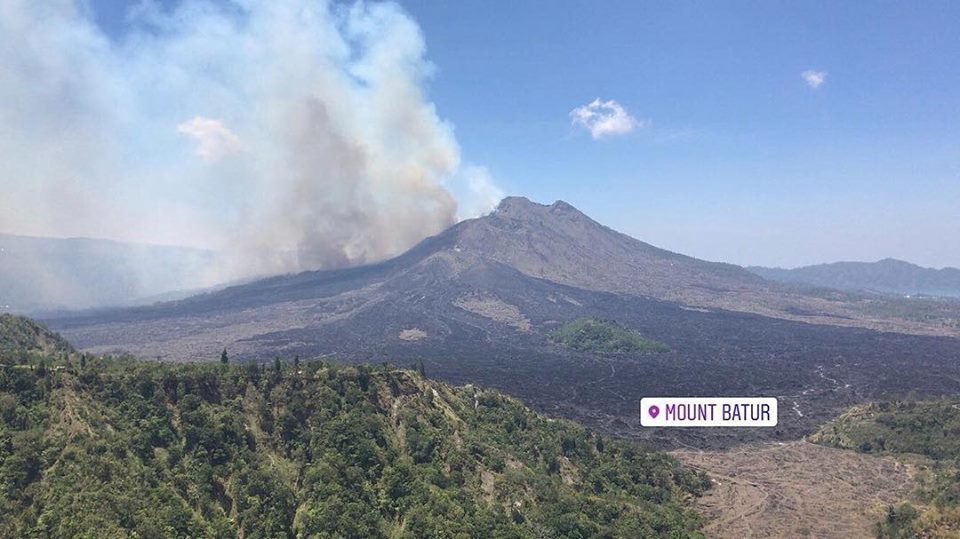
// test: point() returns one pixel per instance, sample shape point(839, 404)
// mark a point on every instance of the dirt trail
point(797, 489)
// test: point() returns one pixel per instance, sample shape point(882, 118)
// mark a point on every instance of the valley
point(483, 302)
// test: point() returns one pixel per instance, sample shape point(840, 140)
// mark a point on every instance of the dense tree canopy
point(124, 448)
point(604, 337)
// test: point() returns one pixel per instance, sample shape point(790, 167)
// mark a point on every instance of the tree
point(83, 361)
point(253, 372)
point(296, 361)
point(276, 364)
point(363, 376)
point(223, 357)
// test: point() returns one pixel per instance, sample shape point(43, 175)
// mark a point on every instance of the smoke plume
point(287, 134)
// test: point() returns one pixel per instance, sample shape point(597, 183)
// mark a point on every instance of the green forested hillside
point(20, 337)
point(929, 429)
point(604, 337)
point(124, 448)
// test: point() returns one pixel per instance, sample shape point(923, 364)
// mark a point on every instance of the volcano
point(477, 303)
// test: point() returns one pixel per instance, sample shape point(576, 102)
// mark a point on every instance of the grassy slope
point(930, 429)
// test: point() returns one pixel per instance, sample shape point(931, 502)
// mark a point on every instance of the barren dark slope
point(562, 245)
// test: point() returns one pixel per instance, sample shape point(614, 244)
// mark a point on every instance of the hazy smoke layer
point(289, 134)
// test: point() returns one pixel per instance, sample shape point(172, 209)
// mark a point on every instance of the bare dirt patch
point(412, 334)
point(797, 489)
point(494, 309)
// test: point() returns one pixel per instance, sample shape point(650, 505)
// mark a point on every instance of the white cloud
point(605, 118)
point(214, 140)
point(814, 78)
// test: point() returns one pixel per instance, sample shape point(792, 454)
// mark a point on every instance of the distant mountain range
point(887, 276)
point(48, 274)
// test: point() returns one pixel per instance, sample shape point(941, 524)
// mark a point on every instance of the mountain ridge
point(43, 275)
point(885, 276)
point(559, 244)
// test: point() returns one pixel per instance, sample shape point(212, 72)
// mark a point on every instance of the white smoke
point(291, 134)
point(475, 188)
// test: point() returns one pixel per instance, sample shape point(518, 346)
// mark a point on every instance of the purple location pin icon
point(654, 411)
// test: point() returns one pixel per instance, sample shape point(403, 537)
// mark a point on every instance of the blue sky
point(734, 157)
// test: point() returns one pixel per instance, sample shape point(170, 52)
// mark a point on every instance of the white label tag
point(708, 412)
